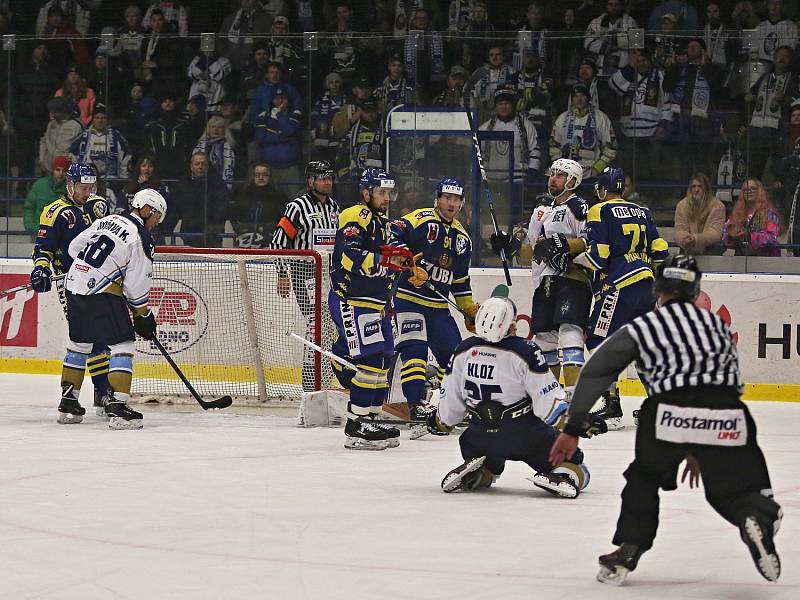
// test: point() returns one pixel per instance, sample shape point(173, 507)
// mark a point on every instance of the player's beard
point(555, 192)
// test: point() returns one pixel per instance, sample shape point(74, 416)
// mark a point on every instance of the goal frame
point(256, 252)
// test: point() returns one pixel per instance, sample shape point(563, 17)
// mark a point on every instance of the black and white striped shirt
point(681, 345)
point(307, 224)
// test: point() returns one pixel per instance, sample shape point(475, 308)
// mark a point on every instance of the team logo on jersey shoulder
point(351, 231)
point(100, 209)
point(363, 213)
point(69, 217)
point(540, 214)
point(461, 244)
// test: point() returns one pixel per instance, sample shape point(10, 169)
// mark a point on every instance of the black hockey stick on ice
point(223, 402)
point(489, 198)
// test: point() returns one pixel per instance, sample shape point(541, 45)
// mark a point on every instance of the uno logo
point(181, 315)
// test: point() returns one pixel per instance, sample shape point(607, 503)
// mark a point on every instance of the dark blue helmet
point(81, 173)
point(612, 179)
point(375, 177)
point(450, 185)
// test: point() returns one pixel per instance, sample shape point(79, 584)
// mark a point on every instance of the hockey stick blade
point(217, 404)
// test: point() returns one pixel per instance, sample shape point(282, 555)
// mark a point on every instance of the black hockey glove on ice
point(145, 326)
point(435, 426)
point(589, 427)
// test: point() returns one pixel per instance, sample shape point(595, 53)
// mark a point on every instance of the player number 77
point(638, 231)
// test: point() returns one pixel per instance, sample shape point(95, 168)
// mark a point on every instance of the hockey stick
point(428, 285)
point(223, 402)
point(331, 355)
point(28, 286)
point(489, 198)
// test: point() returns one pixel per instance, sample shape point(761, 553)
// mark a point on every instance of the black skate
point(392, 432)
point(418, 416)
point(614, 567)
point(558, 484)
point(762, 548)
point(70, 411)
point(611, 411)
point(120, 415)
point(364, 435)
point(469, 476)
point(100, 403)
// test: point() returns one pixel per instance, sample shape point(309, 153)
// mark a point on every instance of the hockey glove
point(145, 325)
point(40, 279)
point(592, 425)
point(435, 426)
point(510, 243)
point(548, 248)
point(418, 275)
point(396, 258)
point(469, 318)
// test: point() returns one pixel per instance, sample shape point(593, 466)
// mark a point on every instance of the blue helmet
point(450, 185)
point(612, 179)
point(81, 173)
point(375, 177)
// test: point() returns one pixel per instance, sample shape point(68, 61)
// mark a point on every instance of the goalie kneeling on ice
point(326, 408)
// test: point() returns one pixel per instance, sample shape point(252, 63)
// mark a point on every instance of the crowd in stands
point(676, 92)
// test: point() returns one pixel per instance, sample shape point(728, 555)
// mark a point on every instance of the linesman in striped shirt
point(308, 223)
point(688, 364)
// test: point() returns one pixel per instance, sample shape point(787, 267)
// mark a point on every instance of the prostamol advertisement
point(762, 312)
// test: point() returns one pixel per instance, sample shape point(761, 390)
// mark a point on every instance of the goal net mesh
point(225, 318)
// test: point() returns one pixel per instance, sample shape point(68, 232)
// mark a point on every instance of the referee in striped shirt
point(688, 364)
point(308, 223)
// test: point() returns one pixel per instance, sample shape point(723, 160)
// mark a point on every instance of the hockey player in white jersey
point(502, 382)
point(110, 278)
point(562, 294)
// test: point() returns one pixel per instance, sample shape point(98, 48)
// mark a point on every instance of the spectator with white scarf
point(161, 56)
point(534, 24)
point(527, 153)
point(584, 134)
point(645, 111)
point(718, 38)
point(239, 29)
point(607, 38)
point(209, 73)
point(496, 73)
point(773, 32)
point(770, 98)
point(394, 89)
point(694, 84)
point(218, 145)
point(425, 64)
point(175, 14)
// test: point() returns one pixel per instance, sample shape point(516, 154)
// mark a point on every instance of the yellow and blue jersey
point(623, 244)
point(60, 222)
point(446, 252)
point(356, 271)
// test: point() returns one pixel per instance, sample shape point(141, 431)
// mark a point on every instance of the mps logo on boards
point(181, 316)
point(19, 313)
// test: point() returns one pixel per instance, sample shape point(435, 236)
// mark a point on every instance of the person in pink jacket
point(75, 91)
point(754, 225)
point(699, 218)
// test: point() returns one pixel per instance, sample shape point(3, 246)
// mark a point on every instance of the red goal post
point(225, 315)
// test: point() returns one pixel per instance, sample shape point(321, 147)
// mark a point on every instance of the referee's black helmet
point(319, 168)
point(679, 275)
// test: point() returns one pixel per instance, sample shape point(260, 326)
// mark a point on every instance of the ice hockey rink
point(244, 504)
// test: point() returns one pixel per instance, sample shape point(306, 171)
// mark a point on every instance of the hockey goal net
point(225, 316)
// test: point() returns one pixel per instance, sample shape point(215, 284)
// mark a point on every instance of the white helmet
point(150, 197)
point(494, 319)
point(570, 168)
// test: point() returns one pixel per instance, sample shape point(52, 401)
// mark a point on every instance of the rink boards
point(760, 309)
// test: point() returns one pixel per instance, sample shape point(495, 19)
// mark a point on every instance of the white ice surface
point(232, 505)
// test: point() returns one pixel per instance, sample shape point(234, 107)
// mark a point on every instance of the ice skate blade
point(361, 444)
point(69, 418)
point(417, 430)
point(120, 423)
point(615, 424)
point(615, 576)
point(768, 563)
point(562, 489)
point(453, 480)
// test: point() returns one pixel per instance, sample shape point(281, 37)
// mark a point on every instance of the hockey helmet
point(81, 173)
point(153, 199)
point(612, 179)
point(319, 168)
point(495, 318)
point(572, 169)
point(450, 185)
point(679, 275)
point(375, 177)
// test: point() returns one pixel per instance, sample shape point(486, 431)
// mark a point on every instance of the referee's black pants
point(733, 476)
